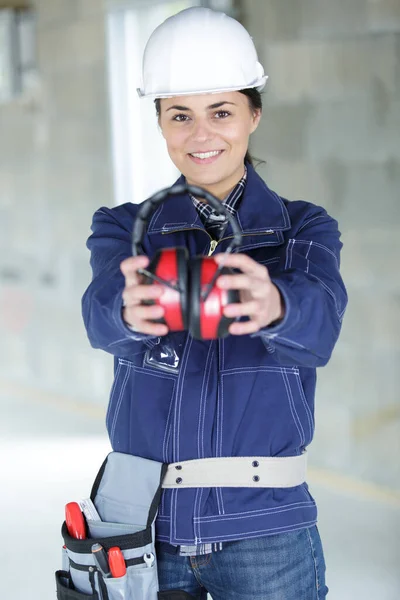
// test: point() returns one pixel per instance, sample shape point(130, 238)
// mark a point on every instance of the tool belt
point(126, 494)
point(238, 471)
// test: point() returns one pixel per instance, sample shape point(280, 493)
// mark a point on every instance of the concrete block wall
point(55, 171)
point(330, 133)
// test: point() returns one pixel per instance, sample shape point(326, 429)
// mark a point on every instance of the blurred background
point(74, 137)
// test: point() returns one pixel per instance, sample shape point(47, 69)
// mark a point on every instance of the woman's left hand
point(260, 299)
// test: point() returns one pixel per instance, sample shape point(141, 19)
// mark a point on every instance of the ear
point(255, 119)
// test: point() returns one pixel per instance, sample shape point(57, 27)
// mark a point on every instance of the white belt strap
point(237, 471)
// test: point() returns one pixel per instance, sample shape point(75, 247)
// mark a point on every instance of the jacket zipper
point(214, 243)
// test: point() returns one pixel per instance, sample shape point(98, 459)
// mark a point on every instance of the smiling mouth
point(204, 155)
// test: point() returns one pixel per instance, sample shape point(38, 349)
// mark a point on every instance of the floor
point(51, 451)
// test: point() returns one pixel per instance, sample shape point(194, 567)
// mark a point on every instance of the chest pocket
point(267, 256)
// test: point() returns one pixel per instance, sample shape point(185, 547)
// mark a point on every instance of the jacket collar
point(261, 210)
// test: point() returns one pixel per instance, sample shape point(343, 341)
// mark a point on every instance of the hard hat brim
point(259, 85)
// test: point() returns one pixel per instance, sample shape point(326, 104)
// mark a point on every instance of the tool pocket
point(117, 588)
point(126, 495)
point(143, 582)
point(139, 583)
point(66, 591)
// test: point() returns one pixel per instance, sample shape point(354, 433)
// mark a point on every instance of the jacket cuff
point(292, 312)
point(126, 329)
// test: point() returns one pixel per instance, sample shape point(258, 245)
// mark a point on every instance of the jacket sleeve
point(314, 294)
point(109, 245)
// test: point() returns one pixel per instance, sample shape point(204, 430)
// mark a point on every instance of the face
point(207, 137)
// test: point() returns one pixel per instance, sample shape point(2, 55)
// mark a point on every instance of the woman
point(251, 394)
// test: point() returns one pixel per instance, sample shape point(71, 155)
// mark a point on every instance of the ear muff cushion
point(233, 296)
point(194, 296)
point(182, 264)
point(152, 267)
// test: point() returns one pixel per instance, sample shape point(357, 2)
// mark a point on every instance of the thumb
point(130, 266)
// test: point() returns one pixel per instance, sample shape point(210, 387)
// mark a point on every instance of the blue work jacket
point(176, 398)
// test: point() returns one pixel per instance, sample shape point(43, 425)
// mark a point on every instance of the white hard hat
point(199, 51)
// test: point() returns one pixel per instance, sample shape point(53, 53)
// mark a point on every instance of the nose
point(202, 131)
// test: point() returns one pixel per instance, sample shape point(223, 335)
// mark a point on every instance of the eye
point(222, 114)
point(180, 118)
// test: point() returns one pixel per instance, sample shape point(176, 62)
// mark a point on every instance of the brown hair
point(255, 102)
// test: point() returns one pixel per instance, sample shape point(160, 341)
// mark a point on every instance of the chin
point(204, 180)
point(210, 176)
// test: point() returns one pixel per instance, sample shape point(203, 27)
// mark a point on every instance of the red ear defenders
point(191, 300)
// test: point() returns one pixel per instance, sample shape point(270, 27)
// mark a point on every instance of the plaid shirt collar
point(231, 203)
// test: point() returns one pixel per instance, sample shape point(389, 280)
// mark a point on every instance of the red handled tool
point(116, 562)
point(75, 521)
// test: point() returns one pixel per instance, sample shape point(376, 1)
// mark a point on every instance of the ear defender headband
point(190, 299)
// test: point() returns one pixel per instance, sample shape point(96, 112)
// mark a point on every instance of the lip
point(206, 161)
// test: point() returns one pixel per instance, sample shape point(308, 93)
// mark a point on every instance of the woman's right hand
point(134, 313)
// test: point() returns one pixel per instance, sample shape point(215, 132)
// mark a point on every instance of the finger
point(154, 329)
point(243, 328)
point(144, 325)
point(134, 294)
point(136, 314)
point(242, 309)
point(130, 266)
point(244, 263)
point(239, 282)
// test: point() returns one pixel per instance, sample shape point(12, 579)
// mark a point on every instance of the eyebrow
point(211, 107)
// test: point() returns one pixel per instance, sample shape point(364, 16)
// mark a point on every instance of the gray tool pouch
point(126, 494)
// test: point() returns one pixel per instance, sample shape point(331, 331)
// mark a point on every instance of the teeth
point(206, 154)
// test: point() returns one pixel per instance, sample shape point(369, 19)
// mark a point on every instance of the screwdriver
point(117, 562)
point(101, 560)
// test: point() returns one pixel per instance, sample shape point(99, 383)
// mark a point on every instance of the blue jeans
point(285, 566)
